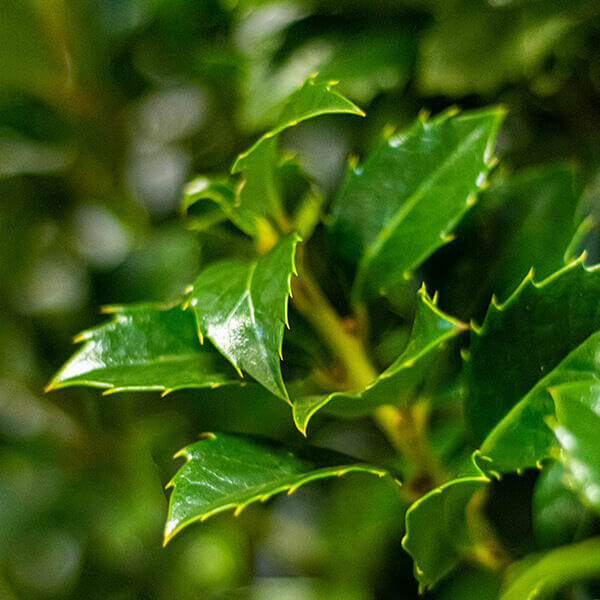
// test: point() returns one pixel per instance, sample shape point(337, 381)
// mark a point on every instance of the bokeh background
point(107, 108)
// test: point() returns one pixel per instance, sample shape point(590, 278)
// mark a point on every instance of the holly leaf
point(577, 429)
point(437, 535)
point(522, 439)
point(215, 201)
point(224, 472)
point(259, 192)
point(400, 205)
point(431, 329)
point(517, 343)
point(242, 307)
point(144, 347)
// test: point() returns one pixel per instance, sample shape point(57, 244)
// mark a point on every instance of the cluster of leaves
point(106, 110)
point(529, 382)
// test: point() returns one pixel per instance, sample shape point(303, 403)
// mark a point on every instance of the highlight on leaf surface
point(402, 203)
point(432, 327)
point(577, 429)
point(229, 472)
point(259, 191)
point(516, 346)
point(242, 308)
point(145, 347)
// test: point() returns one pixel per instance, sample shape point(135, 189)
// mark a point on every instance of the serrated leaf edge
point(237, 508)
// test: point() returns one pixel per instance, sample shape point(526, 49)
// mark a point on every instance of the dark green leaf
point(556, 510)
point(518, 342)
point(145, 347)
point(259, 192)
point(242, 307)
point(401, 204)
point(224, 472)
point(531, 204)
point(431, 328)
point(522, 439)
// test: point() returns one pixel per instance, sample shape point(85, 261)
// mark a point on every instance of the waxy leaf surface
point(518, 343)
point(400, 205)
point(224, 472)
point(145, 347)
point(395, 385)
point(242, 307)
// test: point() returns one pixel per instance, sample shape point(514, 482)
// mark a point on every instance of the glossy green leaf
point(259, 192)
point(224, 472)
point(540, 577)
point(577, 429)
point(522, 439)
point(242, 307)
point(518, 342)
point(145, 347)
point(431, 328)
point(400, 205)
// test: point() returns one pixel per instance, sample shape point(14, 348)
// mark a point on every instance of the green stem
point(316, 308)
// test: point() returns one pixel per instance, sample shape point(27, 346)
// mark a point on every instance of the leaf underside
point(145, 347)
point(242, 307)
point(224, 472)
point(400, 205)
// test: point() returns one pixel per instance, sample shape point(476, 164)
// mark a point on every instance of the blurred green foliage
point(106, 109)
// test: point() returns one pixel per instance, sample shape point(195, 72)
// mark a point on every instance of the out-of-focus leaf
point(522, 37)
point(578, 431)
point(431, 328)
point(537, 210)
point(145, 347)
point(520, 440)
point(554, 570)
point(226, 472)
point(400, 205)
point(518, 342)
point(556, 510)
point(242, 307)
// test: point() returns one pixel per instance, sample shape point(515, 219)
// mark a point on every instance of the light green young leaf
point(517, 343)
point(431, 328)
point(242, 307)
point(400, 205)
point(145, 347)
point(522, 439)
point(224, 472)
point(577, 429)
point(259, 192)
